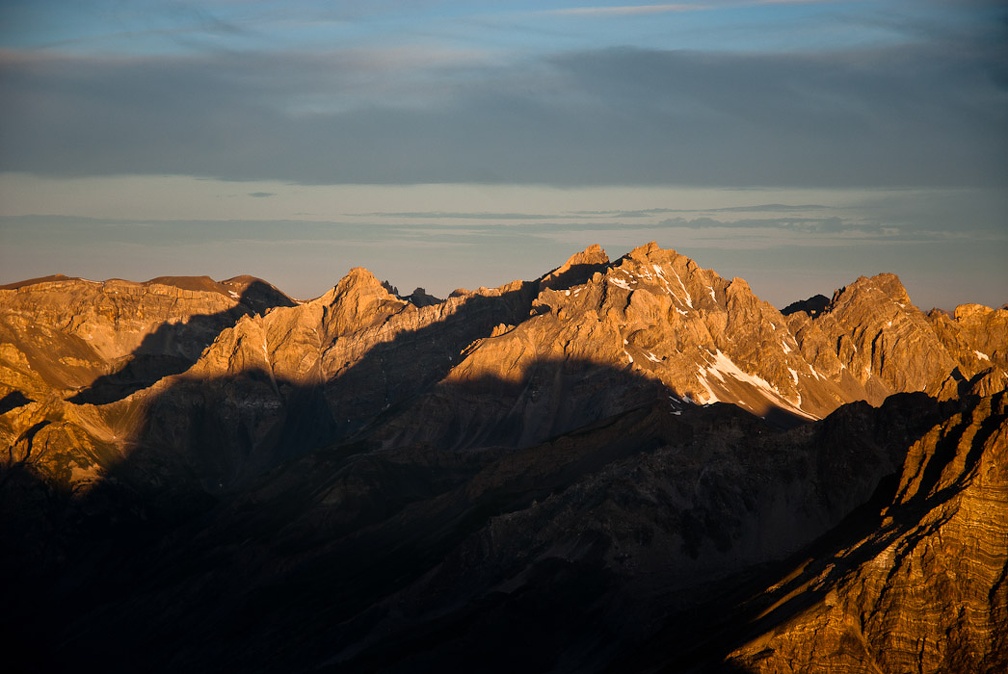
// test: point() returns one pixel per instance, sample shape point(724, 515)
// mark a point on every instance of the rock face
point(61, 335)
point(926, 590)
point(629, 464)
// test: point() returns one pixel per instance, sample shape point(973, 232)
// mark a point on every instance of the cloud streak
point(627, 10)
point(679, 7)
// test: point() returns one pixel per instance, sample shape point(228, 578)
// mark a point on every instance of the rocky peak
point(883, 340)
point(360, 279)
point(872, 289)
point(420, 298)
point(977, 338)
point(359, 301)
point(577, 269)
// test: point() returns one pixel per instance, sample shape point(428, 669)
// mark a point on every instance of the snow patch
point(653, 358)
point(794, 378)
point(723, 365)
point(619, 283)
point(668, 289)
point(712, 296)
point(981, 355)
point(689, 298)
point(661, 275)
point(233, 294)
point(787, 349)
point(702, 378)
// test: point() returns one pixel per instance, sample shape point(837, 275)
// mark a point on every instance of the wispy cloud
point(678, 7)
point(627, 10)
point(457, 215)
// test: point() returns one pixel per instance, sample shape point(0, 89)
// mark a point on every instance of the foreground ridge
point(628, 464)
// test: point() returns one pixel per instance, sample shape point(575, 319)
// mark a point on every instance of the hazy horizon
point(795, 144)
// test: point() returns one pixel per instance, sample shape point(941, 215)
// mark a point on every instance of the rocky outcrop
point(883, 341)
point(974, 336)
point(73, 336)
point(67, 345)
point(925, 591)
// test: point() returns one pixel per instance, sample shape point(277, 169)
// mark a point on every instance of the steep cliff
point(925, 590)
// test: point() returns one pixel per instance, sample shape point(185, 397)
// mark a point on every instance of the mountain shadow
point(367, 556)
point(12, 401)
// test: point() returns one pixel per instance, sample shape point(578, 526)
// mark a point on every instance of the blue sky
point(798, 144)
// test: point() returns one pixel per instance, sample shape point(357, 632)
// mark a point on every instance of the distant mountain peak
point(872, 288)
point(359, 278)
point(577, 269)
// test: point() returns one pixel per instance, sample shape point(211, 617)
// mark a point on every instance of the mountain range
point(627, 465)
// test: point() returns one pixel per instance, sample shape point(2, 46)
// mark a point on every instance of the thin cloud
point(626, 10)
point(454, 215)
point(634, 10)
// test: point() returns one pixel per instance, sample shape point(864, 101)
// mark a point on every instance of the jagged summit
point(869, 289)
point(577, 269)
point(653, 311)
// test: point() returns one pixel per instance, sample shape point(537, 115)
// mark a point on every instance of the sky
point(797, 144)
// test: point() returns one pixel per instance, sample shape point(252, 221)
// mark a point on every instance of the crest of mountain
point(639, 438)
point(514, 365)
